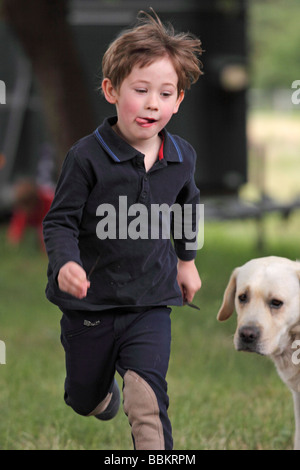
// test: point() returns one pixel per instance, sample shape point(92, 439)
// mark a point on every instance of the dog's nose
point(249, 334)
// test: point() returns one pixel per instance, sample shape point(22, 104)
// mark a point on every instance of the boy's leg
point(144, 351)
point(88, 340)
point(109, 407)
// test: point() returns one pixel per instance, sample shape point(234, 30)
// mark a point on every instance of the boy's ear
point(178, 102)
point(109, 91)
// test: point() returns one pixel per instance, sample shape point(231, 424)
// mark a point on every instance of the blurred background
point(243, 119)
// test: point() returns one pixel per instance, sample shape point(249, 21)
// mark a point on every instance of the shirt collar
point(119, 150)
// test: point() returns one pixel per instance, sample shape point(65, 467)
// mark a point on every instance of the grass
point(219, 398)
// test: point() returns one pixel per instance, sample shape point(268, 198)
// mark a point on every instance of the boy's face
point(146, 100)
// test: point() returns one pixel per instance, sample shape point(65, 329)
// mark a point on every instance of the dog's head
point(266, 296)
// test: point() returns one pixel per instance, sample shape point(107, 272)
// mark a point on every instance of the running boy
point(115, 288)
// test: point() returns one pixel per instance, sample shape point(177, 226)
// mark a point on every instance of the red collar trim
point(161, 150)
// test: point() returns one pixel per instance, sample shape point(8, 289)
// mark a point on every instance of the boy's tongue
point(141, 121)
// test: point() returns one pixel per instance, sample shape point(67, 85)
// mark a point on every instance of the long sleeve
point(185, 229)
point(61, 224)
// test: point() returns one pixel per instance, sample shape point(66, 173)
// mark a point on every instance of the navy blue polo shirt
point(131, 270)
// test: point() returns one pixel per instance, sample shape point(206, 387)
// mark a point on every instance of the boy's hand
point(188, 279)
point(72, 279)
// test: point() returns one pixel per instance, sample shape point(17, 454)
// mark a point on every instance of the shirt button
point(139, 162)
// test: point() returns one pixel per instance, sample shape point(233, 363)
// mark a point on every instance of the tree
point(274, 37)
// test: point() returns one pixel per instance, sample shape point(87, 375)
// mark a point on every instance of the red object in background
point(30, 214)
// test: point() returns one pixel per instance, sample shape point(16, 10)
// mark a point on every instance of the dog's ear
point(227, 307)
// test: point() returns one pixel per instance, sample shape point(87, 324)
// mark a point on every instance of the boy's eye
point(166, 94)
point(141, 90)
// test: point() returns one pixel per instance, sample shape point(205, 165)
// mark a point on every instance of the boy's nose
point(152, 103)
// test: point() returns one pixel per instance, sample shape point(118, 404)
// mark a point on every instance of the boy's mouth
point(145, 121)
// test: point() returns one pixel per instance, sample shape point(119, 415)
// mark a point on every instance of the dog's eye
point(243, 298)
point(275, 303)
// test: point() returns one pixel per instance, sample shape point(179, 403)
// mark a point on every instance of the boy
point(114, 287)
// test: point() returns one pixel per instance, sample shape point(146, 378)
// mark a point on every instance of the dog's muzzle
point(248, 339)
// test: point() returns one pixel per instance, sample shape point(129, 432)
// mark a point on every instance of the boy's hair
point(148, 41)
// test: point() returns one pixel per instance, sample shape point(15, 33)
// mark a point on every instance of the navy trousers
point(99, 343)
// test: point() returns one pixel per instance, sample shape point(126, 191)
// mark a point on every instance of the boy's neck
point(150, 148)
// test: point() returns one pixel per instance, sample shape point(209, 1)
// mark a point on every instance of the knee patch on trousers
point(141, 407)
point(101, 406)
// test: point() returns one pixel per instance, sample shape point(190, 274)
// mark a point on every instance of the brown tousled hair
point(149, 40)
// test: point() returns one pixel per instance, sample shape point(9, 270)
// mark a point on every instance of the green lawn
point(219, 398)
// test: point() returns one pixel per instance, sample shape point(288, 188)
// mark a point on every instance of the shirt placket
point(145, 177)
point(143, 196)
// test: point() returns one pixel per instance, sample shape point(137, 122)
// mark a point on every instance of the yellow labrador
point(265, 293)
